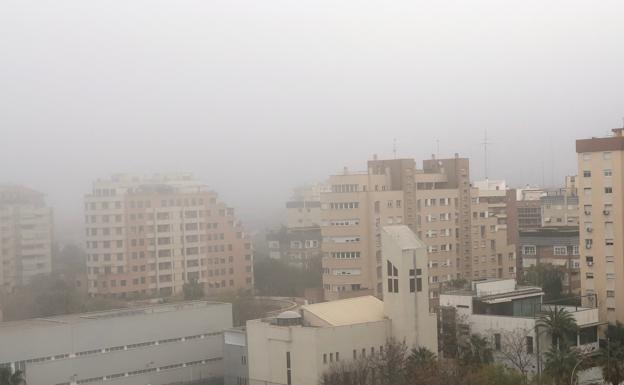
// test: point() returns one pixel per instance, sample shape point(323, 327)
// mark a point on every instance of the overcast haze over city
point(256, 97)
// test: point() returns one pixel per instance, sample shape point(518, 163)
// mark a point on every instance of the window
point(529, 250)
point(608, 190)
point(497, 341)
point(586, 156)
point(609, 242)
point(560, 250)
point(586, 174)
point(587, 191)
point(606, 155)
point(608, 173)
point(529, 344)
point(610, 293)
point(589, 275)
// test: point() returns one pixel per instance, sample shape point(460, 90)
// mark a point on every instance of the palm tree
point(421, 357)
point(422, 366)
point(560, 362)
point(9, 378)
point(558, 323)
point(611, 357)
point(476, 352)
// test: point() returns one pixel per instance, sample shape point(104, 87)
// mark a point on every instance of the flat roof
point(99, 315)
point(348, 311)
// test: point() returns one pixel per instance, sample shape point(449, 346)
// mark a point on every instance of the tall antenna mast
point(438, 148)
point(394, 147)
point(485, 154)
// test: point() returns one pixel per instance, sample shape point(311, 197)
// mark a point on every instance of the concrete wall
point(268, 345)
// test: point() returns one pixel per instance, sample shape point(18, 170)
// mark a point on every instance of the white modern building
point(298, 347)
point(157, 345)
point(503, 312)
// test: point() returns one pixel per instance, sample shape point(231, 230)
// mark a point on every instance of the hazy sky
point(255, 97)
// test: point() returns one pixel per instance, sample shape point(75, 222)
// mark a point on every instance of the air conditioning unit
point(606, 212)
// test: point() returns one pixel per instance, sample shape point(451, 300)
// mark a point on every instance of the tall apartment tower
point(149, 236)
point(436, 202)
point(600, 184)
point(352, 216)
point(26, 233)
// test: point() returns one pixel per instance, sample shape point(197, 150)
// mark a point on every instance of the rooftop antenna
point(438, 148)
point(394, 147)
point(485, 153)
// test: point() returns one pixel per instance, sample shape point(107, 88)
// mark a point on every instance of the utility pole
point(485, 154)
point(394, 147)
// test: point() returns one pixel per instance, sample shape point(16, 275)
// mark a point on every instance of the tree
point(515, 350)
point(611, 356)
point(422, 367)
point(548, 277)
point(9, 378)
point(193, 290)
point(476, 352)
point(389, 365)
point(560, 361)
point(558, 323)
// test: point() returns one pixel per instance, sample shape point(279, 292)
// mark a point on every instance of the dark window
point(396, 285)
point(418, 284)
point(412, 285)
point(529, 344)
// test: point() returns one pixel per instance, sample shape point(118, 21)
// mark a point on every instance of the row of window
point(557, 250)
point(345, 255)
point(606, 172)
point(344, 205)
point(143, 371)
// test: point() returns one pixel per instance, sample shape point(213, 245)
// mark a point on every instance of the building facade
point(299, 347)
point(437, 202)
point(26, 236)
point(298, 246)
point(149, 236)
point(558, 247)
point(600, 184)
point(507, 315)
point(156, 345)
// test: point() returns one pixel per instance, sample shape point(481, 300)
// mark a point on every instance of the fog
point(256, 97)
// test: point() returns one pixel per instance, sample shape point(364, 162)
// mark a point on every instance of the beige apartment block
point(26, 234)
point(492, 255)
point(436, 202)
point(600, 185)
point(149, 236)
point(352, 215)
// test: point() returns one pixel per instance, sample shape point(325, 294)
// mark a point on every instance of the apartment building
point(437, 202)
point(560, 209)
point(299, 246)
point(555, 246)
point(26, 234)
point(304, 208)
point(493, 256)
point(352, 215)
point(601, 187)
point(149, 236)
point(161, 344)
